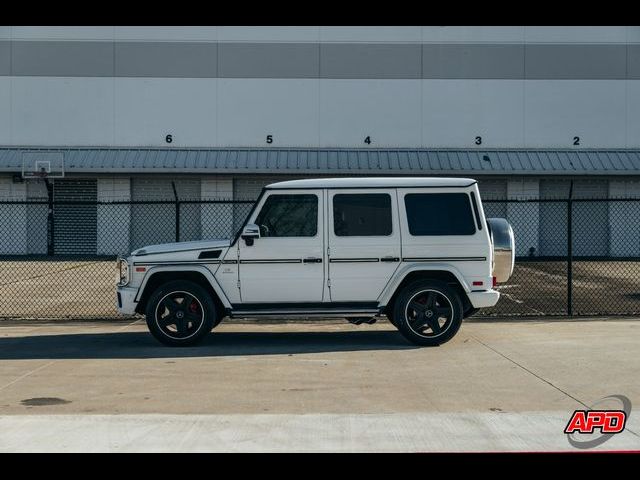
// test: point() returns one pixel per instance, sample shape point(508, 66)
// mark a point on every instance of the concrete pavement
point(330, 386)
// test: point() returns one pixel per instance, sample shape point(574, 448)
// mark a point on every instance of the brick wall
point(13, 218)
point(248, 187)
point(113, 220)
point(524, 217)
point(217, 219)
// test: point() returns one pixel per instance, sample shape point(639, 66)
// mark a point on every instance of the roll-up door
point(75, 224)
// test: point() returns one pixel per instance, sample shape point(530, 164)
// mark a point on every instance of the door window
point(362, 214)
point(289, 216)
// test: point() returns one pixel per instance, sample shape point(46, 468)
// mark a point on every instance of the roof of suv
point(374, 182)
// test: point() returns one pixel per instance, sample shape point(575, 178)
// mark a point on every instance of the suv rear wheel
point(180, 313)
point(428, 312)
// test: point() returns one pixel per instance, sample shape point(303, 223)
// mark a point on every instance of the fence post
point(570, 250)
point(175, 194)
point(50, 223)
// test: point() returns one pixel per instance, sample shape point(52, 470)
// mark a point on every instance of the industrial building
point(222, 111)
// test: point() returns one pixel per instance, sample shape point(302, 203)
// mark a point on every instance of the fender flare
point(206, 273)
point(402, 273)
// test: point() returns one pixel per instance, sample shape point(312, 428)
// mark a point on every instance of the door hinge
point(328, 251)
point(328, 282)
point(238, 283)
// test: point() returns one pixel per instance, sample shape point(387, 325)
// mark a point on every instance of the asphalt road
point(321, 386)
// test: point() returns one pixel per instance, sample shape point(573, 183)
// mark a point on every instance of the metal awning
point(335, 161)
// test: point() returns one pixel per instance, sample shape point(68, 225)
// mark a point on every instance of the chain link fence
point(574, 256)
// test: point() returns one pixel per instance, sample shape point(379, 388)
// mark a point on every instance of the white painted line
point(512, 297)
point(405, 432)
point(27, 374)
point(127, 326)
point(41, 367)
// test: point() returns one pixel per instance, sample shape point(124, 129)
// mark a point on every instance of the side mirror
point(249, 233)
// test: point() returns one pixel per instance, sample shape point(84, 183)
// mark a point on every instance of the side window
point(439, 214)
point(362, 214)
point(289, 216)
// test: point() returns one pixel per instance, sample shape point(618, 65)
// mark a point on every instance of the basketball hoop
point(42, 174)
point(42, 165)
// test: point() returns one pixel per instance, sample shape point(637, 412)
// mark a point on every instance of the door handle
point(312, 260)
point(389, 259)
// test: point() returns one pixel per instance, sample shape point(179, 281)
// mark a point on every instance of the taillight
point(494, 281)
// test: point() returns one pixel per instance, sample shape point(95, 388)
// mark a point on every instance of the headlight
point(122, 272)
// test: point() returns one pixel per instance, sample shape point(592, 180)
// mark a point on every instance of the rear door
point(364, 242)
point(439, 226)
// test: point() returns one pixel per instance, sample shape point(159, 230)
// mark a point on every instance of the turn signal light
point(141, 269)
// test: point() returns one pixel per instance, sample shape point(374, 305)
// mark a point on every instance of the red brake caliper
point(193, 307)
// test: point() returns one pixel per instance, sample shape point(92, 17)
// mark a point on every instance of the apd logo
point(599, 422)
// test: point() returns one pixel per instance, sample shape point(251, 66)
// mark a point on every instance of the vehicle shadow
point(140, 345)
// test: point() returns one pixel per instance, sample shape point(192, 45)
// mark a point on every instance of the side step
point(346, 309)
point(361, 320)
point(303, 313)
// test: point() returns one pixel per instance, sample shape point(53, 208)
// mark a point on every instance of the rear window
point(439, 214)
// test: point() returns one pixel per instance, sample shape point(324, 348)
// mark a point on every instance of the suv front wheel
point(428, 312)
point(180, 313)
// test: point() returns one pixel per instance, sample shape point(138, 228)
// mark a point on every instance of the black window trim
point(272, 193)
point(333, 222)
point(475, 210)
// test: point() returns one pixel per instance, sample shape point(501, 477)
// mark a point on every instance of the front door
point(285, 265)
point(364, 243)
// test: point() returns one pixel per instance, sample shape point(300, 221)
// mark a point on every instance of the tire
point(471, 311)
point(177, 326)
point(428, 312)
point(216, 322)
point(389, 315)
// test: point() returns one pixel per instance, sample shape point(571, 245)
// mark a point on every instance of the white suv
point(418, 250)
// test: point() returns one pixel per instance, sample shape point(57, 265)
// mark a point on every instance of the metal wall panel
point(5, 111)
point(595, 62)
point(633, 62)
point(473, 61)
point(153, 59)
point(62, 111)
point(5, 58)
point(64, 59)
point(268, 60)
point(345, 60)
point(149, 109)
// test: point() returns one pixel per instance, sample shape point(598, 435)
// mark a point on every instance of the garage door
point(590, 219)
point(75, 224)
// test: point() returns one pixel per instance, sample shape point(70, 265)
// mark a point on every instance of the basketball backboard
point(42, 165)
